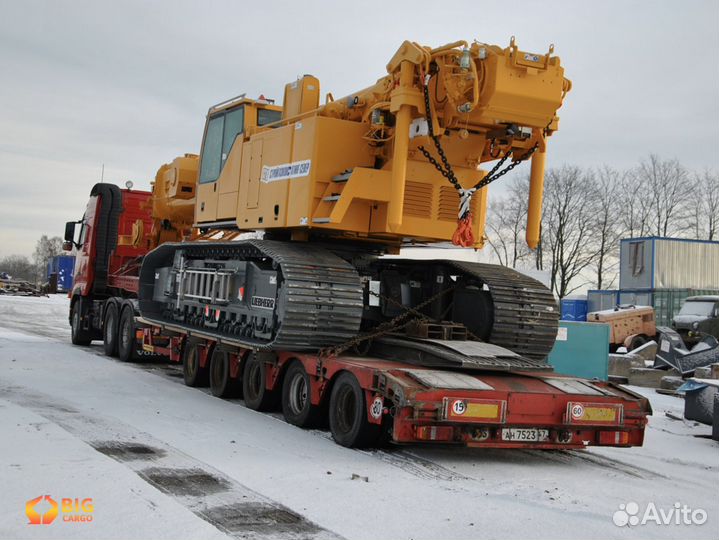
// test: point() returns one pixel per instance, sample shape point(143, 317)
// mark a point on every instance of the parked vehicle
point(698, 316)
point(629, 326)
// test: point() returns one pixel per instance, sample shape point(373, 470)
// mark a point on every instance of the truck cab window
point(212, 150)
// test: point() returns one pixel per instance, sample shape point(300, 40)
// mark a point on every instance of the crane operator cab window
point(222, 130)
point(268, 116)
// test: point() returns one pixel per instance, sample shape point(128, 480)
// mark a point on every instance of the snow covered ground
point(160, 460)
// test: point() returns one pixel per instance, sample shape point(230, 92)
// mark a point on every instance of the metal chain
point(447, 171)
point(386, 327)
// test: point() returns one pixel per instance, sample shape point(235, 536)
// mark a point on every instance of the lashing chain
point(397, 323)
point(463, 236)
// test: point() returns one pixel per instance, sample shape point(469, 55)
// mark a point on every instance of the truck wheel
point(109, 330)
point(254, 389)
point(221, 384)
point(127, 343)
point(348, 414)
point(78, 335)
point(194, 375)
point(296, 403)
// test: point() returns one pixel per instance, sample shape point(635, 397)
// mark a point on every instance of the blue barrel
point(574, 309)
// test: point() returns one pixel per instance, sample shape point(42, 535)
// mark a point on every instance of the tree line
point(586, 211)
point(33, 269)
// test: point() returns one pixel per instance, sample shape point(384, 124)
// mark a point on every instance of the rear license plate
point(524, 434)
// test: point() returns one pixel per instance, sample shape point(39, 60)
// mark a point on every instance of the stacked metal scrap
point(18, 287)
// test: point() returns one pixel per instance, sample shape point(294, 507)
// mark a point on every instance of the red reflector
point(613, 437)
point(434, 433)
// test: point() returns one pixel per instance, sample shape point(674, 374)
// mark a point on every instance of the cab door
point(218, 184)
point(210, 167)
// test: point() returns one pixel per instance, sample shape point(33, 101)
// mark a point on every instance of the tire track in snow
point(207, 492)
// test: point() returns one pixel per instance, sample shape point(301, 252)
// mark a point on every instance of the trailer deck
point(478, 408)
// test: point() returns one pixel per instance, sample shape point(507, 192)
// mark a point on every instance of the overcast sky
point(127, 84)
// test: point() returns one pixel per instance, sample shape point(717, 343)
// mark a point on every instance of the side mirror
point(70, 233)
point(67, 245)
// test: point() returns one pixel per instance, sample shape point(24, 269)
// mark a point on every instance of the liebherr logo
point(263, 302)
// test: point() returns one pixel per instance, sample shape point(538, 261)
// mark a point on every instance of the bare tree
point(609, 228)
point(704, 211)
point(634, 204)
point(668, 187)
point(506, 224)
point(18, 267)
point(45, 249)
point(569, 227)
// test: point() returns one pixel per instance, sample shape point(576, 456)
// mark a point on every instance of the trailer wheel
point(193, 373)
point(127, 345)
point(109, 330)
point(221, 384)
point(348, 414)
point(297, 406)
point(254, 389)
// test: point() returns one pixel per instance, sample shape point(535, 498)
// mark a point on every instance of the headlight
point(695, 325)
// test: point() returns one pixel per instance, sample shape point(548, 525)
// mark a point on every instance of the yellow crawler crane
point(361, 167)
point(334, 186)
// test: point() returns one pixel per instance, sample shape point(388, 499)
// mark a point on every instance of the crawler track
point(525, 311)
point(319, 296)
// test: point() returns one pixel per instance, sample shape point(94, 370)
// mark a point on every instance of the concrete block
point(671, 382)
point(648, 377)
point(619, 365)
point(699, 404)
point(713, 371)
point(707, 372)
point(703, 372)
point(647, 351)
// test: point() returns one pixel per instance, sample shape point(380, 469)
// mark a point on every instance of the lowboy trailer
point(367, 399)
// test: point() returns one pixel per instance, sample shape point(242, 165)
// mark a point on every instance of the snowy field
point(160, 460)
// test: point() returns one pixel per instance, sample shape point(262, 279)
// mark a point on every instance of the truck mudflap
point(513, 410)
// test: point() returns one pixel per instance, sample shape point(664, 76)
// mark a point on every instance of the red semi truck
point(365, 399)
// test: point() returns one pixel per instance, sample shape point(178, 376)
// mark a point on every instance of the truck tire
point(297, 406)
point(127, 344)
point(78, 335)
point(348, 414)
point(109, 330)
point(221, 384)
point(257, 396)
point(193, 373)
